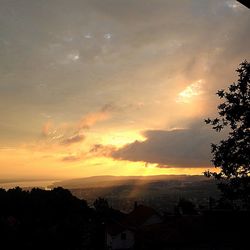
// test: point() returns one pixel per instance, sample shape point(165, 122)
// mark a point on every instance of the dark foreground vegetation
point(40, 219)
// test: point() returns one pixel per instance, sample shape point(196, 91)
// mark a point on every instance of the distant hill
point(161, 192)
point(111, 181)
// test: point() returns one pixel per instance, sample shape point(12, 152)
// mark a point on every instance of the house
point(212, 230)
point(142, 216)
point(121, 234)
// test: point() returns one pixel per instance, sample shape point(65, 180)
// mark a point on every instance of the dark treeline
point(40, 219)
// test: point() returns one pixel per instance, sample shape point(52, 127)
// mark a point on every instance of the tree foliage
point(41, 219)
point(101, 204)
point(232, 155)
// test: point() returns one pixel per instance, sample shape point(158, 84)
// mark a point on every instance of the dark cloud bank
point(173, 148)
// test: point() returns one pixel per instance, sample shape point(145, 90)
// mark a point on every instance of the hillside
point(110, 181)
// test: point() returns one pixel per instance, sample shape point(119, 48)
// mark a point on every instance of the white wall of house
point(154, 219)
point(123, 240)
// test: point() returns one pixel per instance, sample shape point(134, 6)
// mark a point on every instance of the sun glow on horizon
point(43, 164)
point(78, 98)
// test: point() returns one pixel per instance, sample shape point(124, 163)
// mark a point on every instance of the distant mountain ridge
point(110, 180)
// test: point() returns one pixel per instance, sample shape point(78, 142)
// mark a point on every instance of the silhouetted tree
point(101, 204)
point(40, 219)
point(232, 155)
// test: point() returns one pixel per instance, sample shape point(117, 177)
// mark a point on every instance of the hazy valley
point(161, 192)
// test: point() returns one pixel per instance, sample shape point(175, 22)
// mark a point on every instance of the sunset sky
point(114, 87)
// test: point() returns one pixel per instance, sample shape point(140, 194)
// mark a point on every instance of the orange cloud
point(92, 118)
point(46, 129)
point(73, 139)
point(71, 158)
point(71, 133)
point(102, 150)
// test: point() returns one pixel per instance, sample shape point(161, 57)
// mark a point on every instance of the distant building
point(121, 234)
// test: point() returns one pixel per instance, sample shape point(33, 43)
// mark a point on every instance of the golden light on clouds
point(190, 92)
point(92, 118)
point(119, 139)
point(78, 86)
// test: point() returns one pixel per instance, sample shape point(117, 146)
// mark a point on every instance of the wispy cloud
point(102, 150)
point(74, 132)
point(46, 129)
point(71, 158)
point(92, 118)
point(73, 139)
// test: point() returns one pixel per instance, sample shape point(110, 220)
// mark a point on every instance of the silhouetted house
point(121, 234)
point(142, 216)
point(214, 230)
